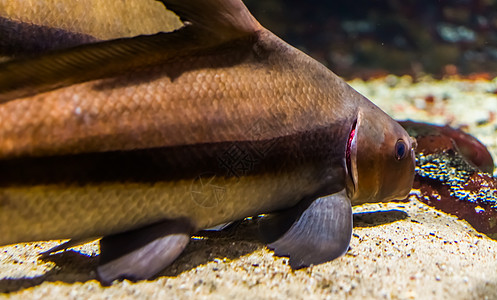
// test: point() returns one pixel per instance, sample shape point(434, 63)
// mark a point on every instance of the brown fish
point(146, 140)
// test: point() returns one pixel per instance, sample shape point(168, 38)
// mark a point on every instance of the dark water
point(372, 37)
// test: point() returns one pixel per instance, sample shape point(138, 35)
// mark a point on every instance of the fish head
point(380, 158)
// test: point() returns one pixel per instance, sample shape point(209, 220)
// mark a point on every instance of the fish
point(33, 27)
point(144, 141)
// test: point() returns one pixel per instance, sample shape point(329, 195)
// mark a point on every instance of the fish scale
point(53, 121)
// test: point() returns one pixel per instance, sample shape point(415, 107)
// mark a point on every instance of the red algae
point(452, 175)
point(475, 201)
point(435, 139)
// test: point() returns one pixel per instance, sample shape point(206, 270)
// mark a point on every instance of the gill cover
point(380, 158)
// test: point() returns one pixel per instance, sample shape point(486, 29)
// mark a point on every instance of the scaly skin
point(44, 212)
point(203, 104)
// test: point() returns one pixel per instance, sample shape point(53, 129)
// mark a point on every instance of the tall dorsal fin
point(226, 19)
point(210, 23)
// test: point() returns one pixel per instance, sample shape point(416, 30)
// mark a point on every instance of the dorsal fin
point(226, 19)
point(210, 23)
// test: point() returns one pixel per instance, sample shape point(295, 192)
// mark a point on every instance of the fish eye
point(400, 149)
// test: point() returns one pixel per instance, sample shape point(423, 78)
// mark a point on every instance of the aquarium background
point(370, 38)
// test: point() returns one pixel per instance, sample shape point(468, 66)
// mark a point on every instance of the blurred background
point(371, 38)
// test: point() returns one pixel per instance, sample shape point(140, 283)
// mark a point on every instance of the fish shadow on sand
point(72, 266)
point(231, 243)
point(376, 218)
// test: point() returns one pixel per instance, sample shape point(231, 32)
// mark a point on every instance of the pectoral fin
point(320, 234)
point(139, 254)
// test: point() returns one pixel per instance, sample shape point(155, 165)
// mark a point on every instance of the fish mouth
point(350, 160)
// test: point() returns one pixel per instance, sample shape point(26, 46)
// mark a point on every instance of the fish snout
point(383, 160)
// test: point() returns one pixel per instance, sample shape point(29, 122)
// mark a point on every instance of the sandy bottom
point(401, 250)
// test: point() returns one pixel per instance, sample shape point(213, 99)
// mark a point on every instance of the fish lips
point(351, 161)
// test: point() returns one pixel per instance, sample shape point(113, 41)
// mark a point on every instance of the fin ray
point(141, 253)
point(322, 233)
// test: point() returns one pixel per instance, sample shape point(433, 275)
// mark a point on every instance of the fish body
point(102, 116)
point(211, 123)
